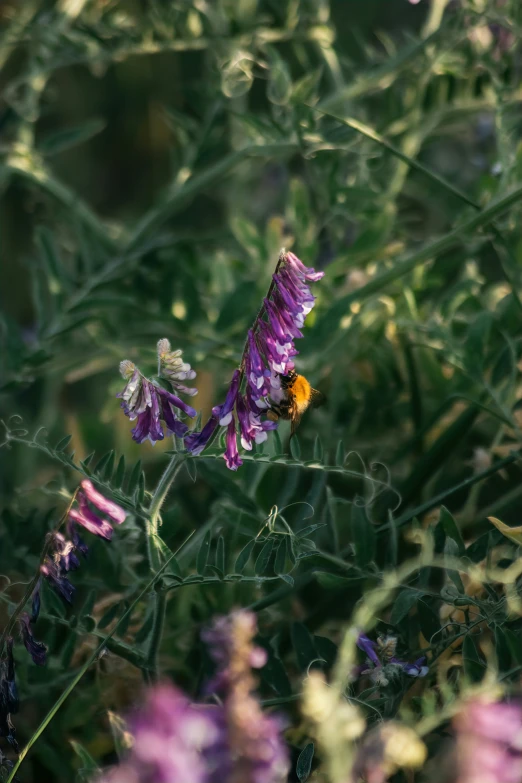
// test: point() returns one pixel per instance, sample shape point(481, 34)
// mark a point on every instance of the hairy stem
point(156, 557)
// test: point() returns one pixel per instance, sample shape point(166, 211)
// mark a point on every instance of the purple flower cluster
point(268, 356)
point(256, 753)
point(150, 403)
point(176, 741)
point(172, 739)
point(62, 557)
point(489, 742)
point(382, 663)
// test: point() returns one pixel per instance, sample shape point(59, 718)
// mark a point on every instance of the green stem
point(156, 557)
point(88, 663)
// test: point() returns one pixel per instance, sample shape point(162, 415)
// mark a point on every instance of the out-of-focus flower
point(334, 722)
point(385, 749)
point(62, 556)
point(9, 701)
point(382, 664)
point(489, 742)
point(37, 650)
point(267, 357)
point(150, 403)
point(171, 740)
point(256, 752)
point(175, 741)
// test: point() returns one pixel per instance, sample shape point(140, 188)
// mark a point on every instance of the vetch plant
point(266, 364)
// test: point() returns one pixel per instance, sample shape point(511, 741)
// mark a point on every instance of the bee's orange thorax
point(300, 392)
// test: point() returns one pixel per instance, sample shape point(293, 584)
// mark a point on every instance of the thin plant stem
point(155, 558)
point(54, 709)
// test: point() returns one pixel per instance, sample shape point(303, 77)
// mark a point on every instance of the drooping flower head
point(489, 742)
point(36, 649)
point(382, 664)
point(150, 403)
point(256, 751)
point(268, 356)
point(62, 557)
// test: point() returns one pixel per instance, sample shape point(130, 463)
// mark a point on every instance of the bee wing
point(317, 398)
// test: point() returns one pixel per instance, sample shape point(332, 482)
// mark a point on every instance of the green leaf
point(305, 532)
point(295, 448)
point(337, 582)
point(280, 558)
point(502, 650)
point(273, 672)
point(118, 477)
point(104, 461)
point(279, 81)
point(303, 644)
point(475, 345)
point(89, 766)
point(406, 599)
point(451, 548)
point(244, 556)
point(202, 556)
point(363, 536)
point(263, 557)
point(278, 443)
point(139, 495)
point(63, 443)
point(143, 633)
point(220, 555)
point(303, 766)
point(474, 667)
point(318, 449)
point(66, 138)
point(450, 528)
point(109, 467)
point(429, 621)
point(134, 478)
point(111, 613)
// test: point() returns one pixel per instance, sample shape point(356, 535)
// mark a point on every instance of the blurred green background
point(155, 156)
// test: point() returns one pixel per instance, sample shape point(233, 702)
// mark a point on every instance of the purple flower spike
point(257, 753)
point(267, 358)
point(302, 271)
point(62, 556)
point(232, 458)
point(36, 650)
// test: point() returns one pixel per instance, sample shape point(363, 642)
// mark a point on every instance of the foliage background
point(155, 156)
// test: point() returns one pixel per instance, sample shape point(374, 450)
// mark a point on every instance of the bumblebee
point(298, 396)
